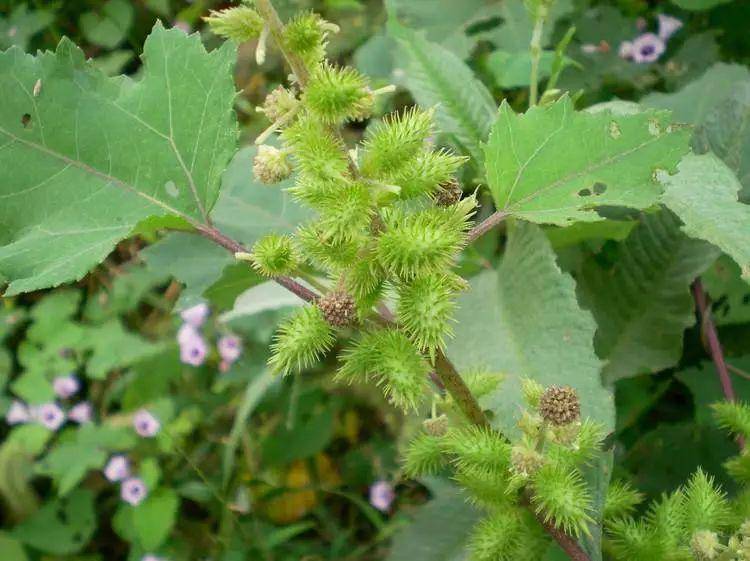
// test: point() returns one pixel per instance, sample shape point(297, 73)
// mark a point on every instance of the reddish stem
point(714, 344)
point(486, 225)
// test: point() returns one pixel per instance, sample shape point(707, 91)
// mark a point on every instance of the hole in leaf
point(599, 188)
point(584, 193)
point(26, 120)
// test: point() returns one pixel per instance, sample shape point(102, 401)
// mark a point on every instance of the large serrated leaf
point(704, 195)
point(643, 304)
point(556, 165)
point(436, 77)
point(523, 319)
point(84, 157)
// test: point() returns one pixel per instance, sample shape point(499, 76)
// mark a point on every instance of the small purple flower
point(133, 491)
point(193, 350)
point(589, 48)
point(81, 413)
point(50, 415)
point(152, 557)
point(117, 468)
point(145, 424)
point(66, 386)
point(382, 495)
point(17, 413)
point(195, 315)
point(668, 26)
point(647, 48)
point(230, 348)
point(185, 26)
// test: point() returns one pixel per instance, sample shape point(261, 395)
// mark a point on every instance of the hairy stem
point(276, 28)
point(236, 247)
point(486, 225)
point(536, 52)
point(459, 391)
point(714, 345)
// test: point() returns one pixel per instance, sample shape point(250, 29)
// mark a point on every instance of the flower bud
point(705, 545)
point(278, 103)
point(271, 165)
point(559, 405)
point(436, 426)
point(525, 461)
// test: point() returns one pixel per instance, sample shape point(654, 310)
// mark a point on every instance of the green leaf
point(446, 26)
point(194, 261)
point(693, 103)
point(112, 347)
point(22, 24)
point(436, 77)
point(90, 157)
point(11, 549)
point(108, 26)
point(439, 530)
point(155, 517)
point(513, 70)
point(726, 132)
point(62, 526)
point(262, 298)
point(248, 210)
point(556, 165)
point(643, 304)
point(87, 449)
point(523, 320)
point(699, 4)
point(514, 34)
point(704, 195)
point(729, 294)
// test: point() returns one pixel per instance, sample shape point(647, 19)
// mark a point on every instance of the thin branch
point(235, 247)
point(276, 27)
point(486, 225)
point(714, 345)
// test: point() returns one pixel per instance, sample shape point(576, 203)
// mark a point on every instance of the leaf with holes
point(643, 304)
point(704, 195)
point(556, 165)
point(89, 157)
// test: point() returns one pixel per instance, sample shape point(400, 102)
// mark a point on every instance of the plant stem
point(276, 28)
point(536, 52)
point(454, 384)
point(486, 225)
point(714, 345)
point(236, 247)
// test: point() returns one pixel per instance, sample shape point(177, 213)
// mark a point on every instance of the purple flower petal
point(668, 26)
point(647, 48)
point(17, 413)
point(193, 351)
point(195, 315)
point(145, 424)
point(117, 469)
point(133, 491)
point(81, 413)
point(66, 386)
point(230, 348)
point(50, 415)
point(382, 495)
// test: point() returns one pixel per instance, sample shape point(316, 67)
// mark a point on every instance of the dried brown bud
point(559, 405)
point(525, 461)
point(338, 307)
point(436, 426)
point(448, 193)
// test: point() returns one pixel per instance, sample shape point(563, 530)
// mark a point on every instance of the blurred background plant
point(141, 419)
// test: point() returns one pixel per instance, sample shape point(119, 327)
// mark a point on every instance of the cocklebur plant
point(540, 470)
point(390, 226)
point(697, 522)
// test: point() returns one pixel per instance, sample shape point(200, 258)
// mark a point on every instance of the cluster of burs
point(389, 221)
